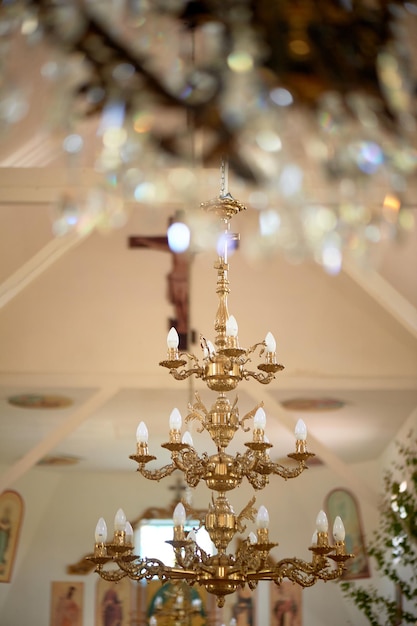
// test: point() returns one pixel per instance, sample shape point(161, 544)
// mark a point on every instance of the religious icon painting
point(286, 605)
point(11, 515)
point(115, 603)
point(240, 606)
point(67, 603)
point(343, 503)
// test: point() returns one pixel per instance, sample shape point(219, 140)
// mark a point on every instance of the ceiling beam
point(23, 465)
point(36, 265)
point(42, 185)
point(410, 425)
point(385, 295)
point(38, 149)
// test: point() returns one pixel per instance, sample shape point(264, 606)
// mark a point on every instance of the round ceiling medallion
point(39, 401)
point(59, 461)
point(312, 404)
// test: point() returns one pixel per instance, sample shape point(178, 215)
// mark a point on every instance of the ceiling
point(84, 317)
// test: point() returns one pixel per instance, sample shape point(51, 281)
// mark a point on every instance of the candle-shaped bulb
point(252, 538)
point(231, 326)
point(322, 524)
point(172, 339)
point(142, 433)
point(120, 520)
point(262, 519)
point(186, 438)
point(259, 421)
point(175, 420)
point(300, 430)
point(101, 531)
point(338, 529)
point(179, 516)
point(271, 344)
point(129, 533)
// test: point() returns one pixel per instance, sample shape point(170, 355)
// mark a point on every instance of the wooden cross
point(178, 488)
point(178, 283)
point(178, 279)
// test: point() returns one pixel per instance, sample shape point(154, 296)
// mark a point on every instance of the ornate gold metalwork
point(223, 573)
point(223, 367)
point(224, 206)
point(84, 566)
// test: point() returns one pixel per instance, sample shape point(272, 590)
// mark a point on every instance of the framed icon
point(67, 603)
point(11, 515)
point(114, 603)
point(286, 604)
point(342, 502)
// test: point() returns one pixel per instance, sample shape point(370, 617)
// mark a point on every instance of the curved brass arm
point(248, 559)
point(157, 474)
point(261, 377)
point(186, 373)
point(143, 569)
point(114, 575)
point(192, 465)
point(191, 557)
point(258, 481)
point(298, 571)
point(190, 357)
point(184, 457)
point(281, 470)
point(185, 559)
point(245, 463)
point(253, 348)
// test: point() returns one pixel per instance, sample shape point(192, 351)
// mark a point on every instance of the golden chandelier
point(223, 366)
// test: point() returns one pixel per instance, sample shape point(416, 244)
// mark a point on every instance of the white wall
point(61, 511)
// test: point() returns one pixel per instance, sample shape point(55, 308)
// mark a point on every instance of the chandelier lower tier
point(223, 366)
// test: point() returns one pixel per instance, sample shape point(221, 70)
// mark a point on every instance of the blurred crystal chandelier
point(223, 366)
point(300, 95)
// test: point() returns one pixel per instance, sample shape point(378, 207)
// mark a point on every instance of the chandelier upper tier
point(223, 366)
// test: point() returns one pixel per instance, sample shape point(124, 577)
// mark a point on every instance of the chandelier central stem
point(224, 174)
point(220, 523)
point(222, 291)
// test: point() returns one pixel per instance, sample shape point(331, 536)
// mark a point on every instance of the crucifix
point(179, 489)
point(178, 279)
point(178, 283)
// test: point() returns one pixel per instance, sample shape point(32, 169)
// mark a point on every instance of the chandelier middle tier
point(223, 366)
